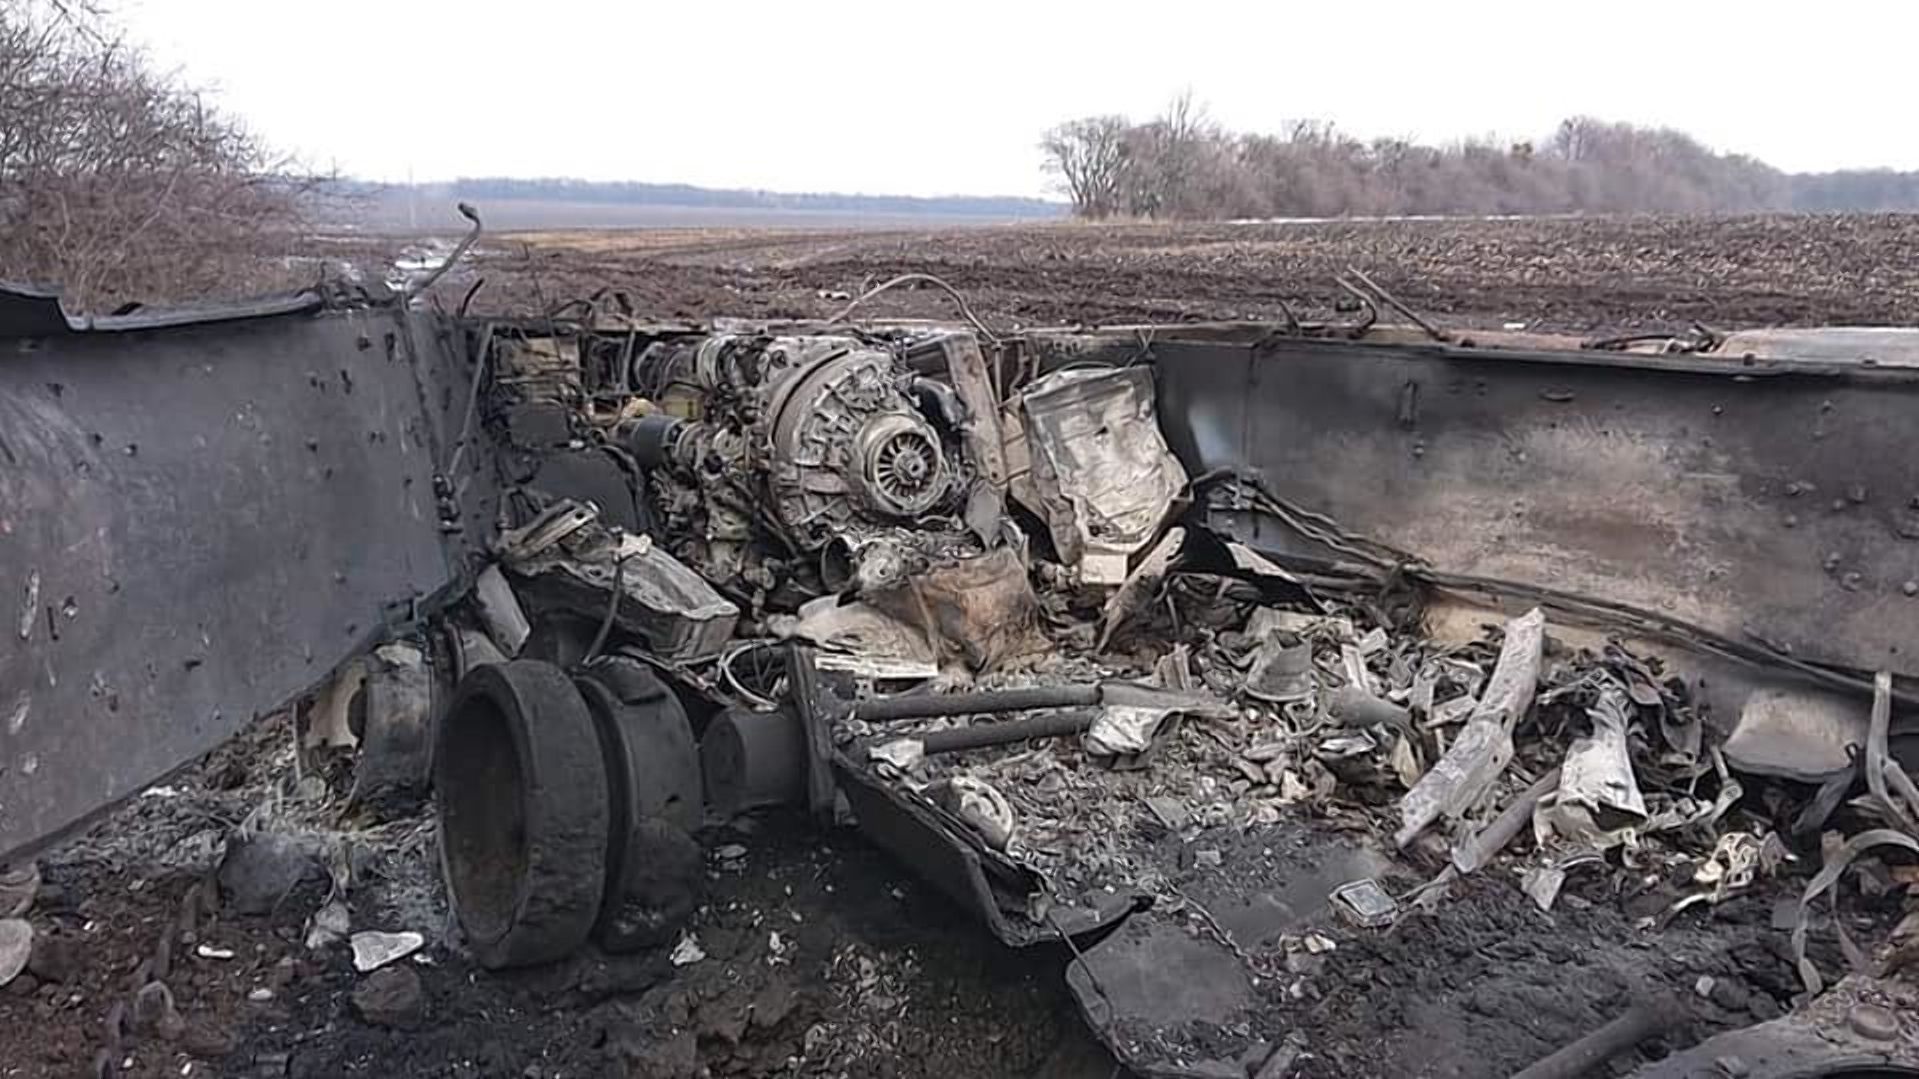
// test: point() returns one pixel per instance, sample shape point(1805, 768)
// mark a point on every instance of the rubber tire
point(655, 869)
point(524, 812)
point(648, 741)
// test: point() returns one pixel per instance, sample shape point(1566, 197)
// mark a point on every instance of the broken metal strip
point(1835, 866)
point(949, 856)
point(30, 312)
point(1266, 337)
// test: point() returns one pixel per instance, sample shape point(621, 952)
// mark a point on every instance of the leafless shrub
point(117, 183)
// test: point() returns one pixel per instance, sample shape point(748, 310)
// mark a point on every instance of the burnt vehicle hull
point(200, 521)
point(205, 521)
point(1754, 500)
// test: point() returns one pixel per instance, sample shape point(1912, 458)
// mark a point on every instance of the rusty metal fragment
point(980, 611)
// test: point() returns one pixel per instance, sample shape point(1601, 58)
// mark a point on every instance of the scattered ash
point(819, 957)
point(1239, 825)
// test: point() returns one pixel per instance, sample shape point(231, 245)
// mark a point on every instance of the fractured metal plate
point(198, 523)
point(1767, 505)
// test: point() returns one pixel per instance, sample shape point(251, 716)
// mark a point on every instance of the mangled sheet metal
point(861, 639)
point(1102, 476)
point(979, 611)
point(1596, 780)
point(1797, 732)
point(568, 560)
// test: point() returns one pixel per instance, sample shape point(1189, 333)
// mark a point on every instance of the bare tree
point(119, 184)
point(1088, 156)
point(1182, 135)
point(1176, 165)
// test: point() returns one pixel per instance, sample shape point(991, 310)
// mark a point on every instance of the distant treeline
point(1181, 165)
point(626, 193)
point(1855, 189)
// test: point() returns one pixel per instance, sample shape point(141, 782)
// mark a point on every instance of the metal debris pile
point(1336, 716)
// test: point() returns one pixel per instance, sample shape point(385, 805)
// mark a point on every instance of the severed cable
point(966, 309)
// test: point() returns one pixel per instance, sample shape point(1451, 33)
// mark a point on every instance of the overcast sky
point(945, 98)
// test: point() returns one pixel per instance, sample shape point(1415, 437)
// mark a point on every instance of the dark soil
point(821, 958)
point(1580, 275)
point(1486, 983)
point(1480, 981)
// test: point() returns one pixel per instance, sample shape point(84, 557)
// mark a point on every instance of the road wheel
point(521, 788)
point(655, 870)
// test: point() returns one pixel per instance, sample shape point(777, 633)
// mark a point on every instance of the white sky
point(946, 97)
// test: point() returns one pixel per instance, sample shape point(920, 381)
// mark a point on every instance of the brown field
point(1573, 274)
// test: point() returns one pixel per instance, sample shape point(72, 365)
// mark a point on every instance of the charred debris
point(1301, 684)
point(957, 589)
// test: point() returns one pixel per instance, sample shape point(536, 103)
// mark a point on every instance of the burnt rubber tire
point(653, 760)
point(662, 880)
point(521, 790)
point(655, 869)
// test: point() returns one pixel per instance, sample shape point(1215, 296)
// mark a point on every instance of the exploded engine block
point(764, 451)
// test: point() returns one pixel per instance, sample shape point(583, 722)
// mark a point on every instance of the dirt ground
point(821, 956)
point(1580, 275)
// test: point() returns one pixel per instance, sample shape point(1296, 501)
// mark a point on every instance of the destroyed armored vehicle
point(1223, 655)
